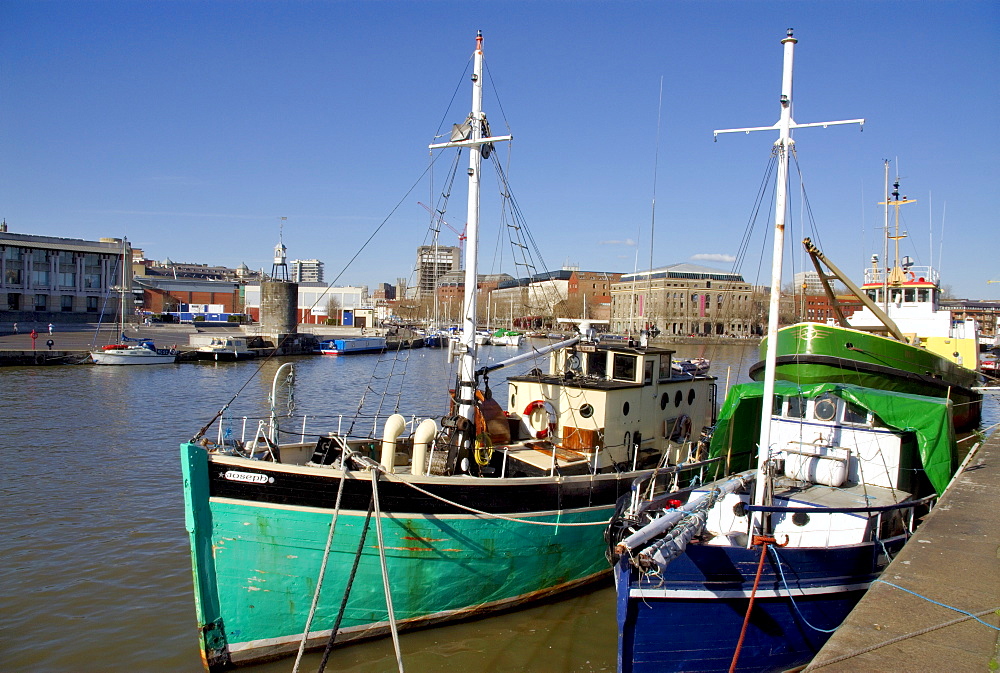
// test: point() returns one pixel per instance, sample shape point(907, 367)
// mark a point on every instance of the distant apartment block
point(432, 263)
point(307, 271)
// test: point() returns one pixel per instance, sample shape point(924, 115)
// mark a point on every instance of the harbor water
point(97, 569)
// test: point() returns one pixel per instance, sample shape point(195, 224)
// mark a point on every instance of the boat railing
point(249, 427)
point(910, 510)
point(669, 478)
point(913, 273)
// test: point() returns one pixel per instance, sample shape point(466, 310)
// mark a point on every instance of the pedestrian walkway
point(903, 623)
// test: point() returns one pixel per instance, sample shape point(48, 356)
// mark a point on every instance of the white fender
point(425, 434)
point(394, 426)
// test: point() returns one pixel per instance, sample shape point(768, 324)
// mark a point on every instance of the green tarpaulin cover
point(928, 418)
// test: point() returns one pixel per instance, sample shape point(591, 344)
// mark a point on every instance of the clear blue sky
point(192, 127)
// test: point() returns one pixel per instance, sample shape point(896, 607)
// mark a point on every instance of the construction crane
point(437, 218)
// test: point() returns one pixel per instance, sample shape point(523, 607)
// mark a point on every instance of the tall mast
point(471, 135)
point(782, 147)
point(896, 277)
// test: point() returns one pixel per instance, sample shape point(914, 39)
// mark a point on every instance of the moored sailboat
point(128, 350)
point(489, 510)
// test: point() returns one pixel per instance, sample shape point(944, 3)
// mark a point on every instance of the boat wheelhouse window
point(623, 368)
point(871, 295)
point(647, 372)
point(597, 364)
point(796, 407)
point(665, 372)
point(825, 408)
point(909, 294)
point(923, 294)
point(855, 414)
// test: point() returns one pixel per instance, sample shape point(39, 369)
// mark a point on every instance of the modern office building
point(68, 276)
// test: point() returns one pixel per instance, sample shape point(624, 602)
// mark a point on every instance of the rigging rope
point(385, 575)
point(322, 568)
point(347, 589)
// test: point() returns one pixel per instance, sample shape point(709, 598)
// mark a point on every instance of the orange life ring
point(550, 427)
point(913, 276)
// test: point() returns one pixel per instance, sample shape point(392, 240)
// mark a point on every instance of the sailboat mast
point(782, 147)
point(467, 364)
point(474, 140)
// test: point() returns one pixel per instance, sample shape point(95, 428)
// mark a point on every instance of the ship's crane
point(438, 218)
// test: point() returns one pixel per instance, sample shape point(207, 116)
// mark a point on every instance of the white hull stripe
point(708, 594)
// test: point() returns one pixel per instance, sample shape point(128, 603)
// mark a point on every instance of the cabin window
point(678, 398)
point(664, 399)
point(776, 405)
point(623, 368)
point(796, 407)
point(665, 372)
point(923, 294)
point(825, 408)
point(855, 414)
point(597, 365)
point(587, 410)
point(871, 295)
point(909, 294)
point(647, 372)
point(625, 409)
point(691, 397)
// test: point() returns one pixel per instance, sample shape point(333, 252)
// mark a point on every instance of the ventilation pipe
point(425, 434)
point(394, 427)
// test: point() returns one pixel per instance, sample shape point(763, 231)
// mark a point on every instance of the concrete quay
point(953, 559)
point(72, 342)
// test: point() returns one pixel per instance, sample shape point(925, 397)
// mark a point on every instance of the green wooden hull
point(256, 567)
point(809, 353)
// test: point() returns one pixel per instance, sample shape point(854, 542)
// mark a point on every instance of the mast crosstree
point(782, 146)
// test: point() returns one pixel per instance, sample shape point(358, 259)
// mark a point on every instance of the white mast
point(782, 147)
point(470, 135)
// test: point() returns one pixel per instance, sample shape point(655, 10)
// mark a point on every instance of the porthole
point(625, 408)
point(587, 410)
point(825, 409)
point(664, 398)
point(678, 398)
point(800, 518)
point(691, 397)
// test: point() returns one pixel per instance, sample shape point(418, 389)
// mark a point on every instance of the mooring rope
point(930, 600)
point(490, 514)
point(795, 605)
point(865, 650)
point(322, 570)
point(753, 596)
